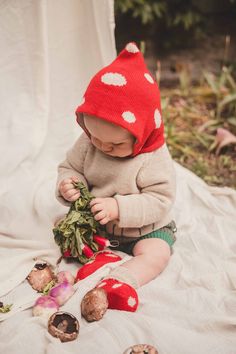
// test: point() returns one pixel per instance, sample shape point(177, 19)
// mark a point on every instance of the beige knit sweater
point(144, 185)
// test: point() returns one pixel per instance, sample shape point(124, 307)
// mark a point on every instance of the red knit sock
point(120, 296)
point(96, 263)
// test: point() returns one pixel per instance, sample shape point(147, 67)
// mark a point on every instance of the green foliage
point(48, 287)
point(173, 13)
point(5, 308)
point(192, 116)
point(78, 227)
point(224, 89)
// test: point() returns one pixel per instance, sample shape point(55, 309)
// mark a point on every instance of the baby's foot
point(120, 295)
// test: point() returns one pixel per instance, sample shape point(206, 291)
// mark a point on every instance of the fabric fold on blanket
point(49, 51)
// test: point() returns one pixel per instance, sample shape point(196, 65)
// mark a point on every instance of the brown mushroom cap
point(40, 276)
point(94, 304)
point(141, 349)
point(63, 325)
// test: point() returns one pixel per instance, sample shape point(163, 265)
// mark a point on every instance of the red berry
point(67, 253)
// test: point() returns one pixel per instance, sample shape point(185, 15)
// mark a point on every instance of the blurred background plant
point(171, 17)
point(200, 127)
point(190, 47)
point(173, 13)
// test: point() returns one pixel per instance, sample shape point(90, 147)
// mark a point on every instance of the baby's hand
point(68, 190)
point(104, 209)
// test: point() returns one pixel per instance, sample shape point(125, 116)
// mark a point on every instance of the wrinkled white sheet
point(49, 49)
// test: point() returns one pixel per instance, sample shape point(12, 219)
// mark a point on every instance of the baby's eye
point(118, 144)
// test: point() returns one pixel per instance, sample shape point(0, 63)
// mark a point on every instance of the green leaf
point(5, 308)
point(232, 120)
point(210, 78)
point(79, 241)
point(74, 217)
point(48, 287)
point(227, 100)
point(78, 226)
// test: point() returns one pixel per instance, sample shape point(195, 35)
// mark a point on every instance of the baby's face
point(109, 138)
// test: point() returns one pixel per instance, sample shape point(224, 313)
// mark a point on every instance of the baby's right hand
point(68, 190)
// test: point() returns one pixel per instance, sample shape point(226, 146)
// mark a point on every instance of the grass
point(192, 116)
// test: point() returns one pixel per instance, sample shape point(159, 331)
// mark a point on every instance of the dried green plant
point(224, 89)
point(200, 127)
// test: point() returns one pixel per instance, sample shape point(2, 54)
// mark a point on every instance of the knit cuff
point(123, 274)
point(130, 211)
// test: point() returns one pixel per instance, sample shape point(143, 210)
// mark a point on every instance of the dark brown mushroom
point(40, 276)
point(141, 349)
point(94, 304)
point(63, 325)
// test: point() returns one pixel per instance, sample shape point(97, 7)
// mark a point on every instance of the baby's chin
point(117, 155)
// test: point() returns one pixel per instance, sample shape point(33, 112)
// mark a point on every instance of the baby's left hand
point(104, 209)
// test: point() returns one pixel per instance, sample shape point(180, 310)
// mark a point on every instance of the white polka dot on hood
point(149, 78)
point(115, 79)
point(132, 48)
point(157, 118)
point(128, 117)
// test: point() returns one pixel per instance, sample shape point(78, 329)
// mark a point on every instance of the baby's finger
point(67, 180)
point(74, 197)
point(64, 182)
point(71, 192)
point(96, 201)
point(104, 221)
point(75, 179)
point(99, 216)
point(66, 187)
point(96, 208)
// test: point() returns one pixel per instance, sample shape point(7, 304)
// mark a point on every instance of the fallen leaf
point(223, 138)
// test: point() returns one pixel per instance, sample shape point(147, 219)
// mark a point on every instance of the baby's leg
point(150, 259)
point(151, 256)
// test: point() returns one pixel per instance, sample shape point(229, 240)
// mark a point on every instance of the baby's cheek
point(95, 142)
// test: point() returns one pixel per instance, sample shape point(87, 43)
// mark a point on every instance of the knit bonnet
point(124, 93)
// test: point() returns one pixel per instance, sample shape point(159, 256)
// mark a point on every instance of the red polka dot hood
point(124, 93)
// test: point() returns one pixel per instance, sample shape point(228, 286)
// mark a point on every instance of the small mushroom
point(40, 276)
point(141, 349)
point(63, 325)
point(94, 304)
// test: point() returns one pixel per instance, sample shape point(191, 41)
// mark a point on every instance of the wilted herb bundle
point(76, 230)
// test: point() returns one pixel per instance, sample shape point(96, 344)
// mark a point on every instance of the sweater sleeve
point(73, 165)
point(156, 182)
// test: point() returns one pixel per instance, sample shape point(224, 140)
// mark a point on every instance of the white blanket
point(190, 308)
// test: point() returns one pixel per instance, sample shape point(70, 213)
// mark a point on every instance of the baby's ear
point(82, 117)
point(82, 123)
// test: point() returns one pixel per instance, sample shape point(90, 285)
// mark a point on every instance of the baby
point(123, 160)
